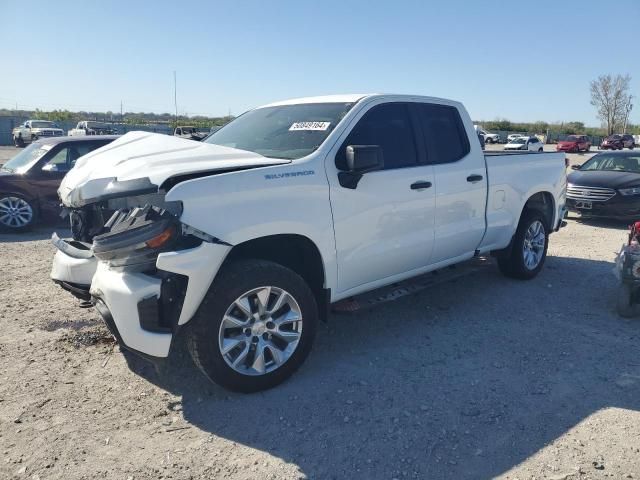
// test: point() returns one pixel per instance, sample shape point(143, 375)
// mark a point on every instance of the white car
point(513, 136)
point(531, 144)
point(242, 242)
point(488, 137)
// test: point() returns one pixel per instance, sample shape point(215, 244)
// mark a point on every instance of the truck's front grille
point(592, 194)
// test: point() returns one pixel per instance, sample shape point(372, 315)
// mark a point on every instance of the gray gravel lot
point(475, 378)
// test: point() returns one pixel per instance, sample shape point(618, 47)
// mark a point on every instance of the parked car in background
point(606, 185)
point(513, 136)
point(618, 142)
point(532, 144)
point(29, 181)
point(191, 133)
point(574, 143)
point(32, 130)
point(488, 137)
point(89, 127)
point(242, 242)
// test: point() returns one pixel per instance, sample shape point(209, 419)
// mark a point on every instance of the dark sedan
point(29, 181)
point(618, 142)
point(607, 185)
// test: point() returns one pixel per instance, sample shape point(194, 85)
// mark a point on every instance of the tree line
point(128, 118)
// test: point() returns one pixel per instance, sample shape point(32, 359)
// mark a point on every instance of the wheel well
point(293, 251)
point(543, 203)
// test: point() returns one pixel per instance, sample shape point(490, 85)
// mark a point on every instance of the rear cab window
point(444, 134)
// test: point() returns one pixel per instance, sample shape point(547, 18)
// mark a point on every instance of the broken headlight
point(135, 237)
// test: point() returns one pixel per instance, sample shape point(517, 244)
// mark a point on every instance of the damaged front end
point(135, 269)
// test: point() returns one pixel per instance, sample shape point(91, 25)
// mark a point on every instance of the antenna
point(175, 95)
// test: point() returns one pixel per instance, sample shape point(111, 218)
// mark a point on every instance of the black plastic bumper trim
point(76, 289)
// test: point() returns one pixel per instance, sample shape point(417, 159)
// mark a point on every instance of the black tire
point(540, 149)
point(488, 140)
point(625, 302)
point(632, 146)
point(512, 262)
point(19, 141)
point(6, 224)
point(34, 138)
point(232, 282)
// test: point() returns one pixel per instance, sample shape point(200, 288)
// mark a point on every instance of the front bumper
point(143, 310)
point(617, 207)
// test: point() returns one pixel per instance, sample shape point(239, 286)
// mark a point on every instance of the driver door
point(385, 226)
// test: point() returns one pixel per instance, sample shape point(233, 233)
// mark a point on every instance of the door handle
point(420, 185)
point(474, 178)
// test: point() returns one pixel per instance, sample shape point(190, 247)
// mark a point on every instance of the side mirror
point(361, 159)
point(364, 158)
point(575, 167)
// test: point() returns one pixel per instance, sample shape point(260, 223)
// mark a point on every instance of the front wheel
point(540, 149)
point(255, 326)
point(528, 251)
point(16, 213)
point(18, 141)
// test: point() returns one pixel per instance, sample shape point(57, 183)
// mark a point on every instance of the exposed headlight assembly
point(135, 238)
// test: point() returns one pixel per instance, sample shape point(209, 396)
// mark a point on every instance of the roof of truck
point(352, 98)
point(348, 98)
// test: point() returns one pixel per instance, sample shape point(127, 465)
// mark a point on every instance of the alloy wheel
point(15, 212)
point(260, 330)
point(533, 247)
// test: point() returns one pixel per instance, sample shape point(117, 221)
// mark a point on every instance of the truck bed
point(512, 177)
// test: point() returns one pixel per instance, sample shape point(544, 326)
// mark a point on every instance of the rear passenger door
point(460, 181)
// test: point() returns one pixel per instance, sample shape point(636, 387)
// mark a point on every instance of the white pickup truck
point(242, 242)
point(89, 127)
point(32, 130)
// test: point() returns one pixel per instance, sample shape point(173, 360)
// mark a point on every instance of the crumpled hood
point(143, 161)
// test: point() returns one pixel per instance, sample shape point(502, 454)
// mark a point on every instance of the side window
point(66, 157)
point(388, 126)
point(444, 132)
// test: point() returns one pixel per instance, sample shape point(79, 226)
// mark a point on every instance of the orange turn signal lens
point(160, 240)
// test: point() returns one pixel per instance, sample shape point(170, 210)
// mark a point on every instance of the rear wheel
point(528, 250)
point(16, 213)
point(255, 326)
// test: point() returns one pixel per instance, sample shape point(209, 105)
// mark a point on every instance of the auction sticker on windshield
point(321, 126)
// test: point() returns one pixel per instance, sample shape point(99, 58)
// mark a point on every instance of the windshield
point(96, 125)
point(613, 137)
point(615, 163)
point(43, 125)
point(519, 140)
point(286, 131)
point(572, 138)
point(25, 159)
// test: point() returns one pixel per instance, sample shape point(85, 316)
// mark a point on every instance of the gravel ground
point(479, 377)
point(475, 378)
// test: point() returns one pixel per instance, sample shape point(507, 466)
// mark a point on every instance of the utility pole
point(121, 116)
point(175, 95)
point(626, 115)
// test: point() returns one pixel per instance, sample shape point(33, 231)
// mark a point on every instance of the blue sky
point(523, 61)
